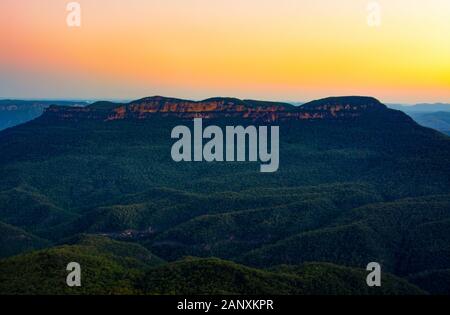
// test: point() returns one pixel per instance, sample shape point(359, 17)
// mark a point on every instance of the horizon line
point(127, 100)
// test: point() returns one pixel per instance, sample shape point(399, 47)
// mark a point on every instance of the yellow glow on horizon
point(278, 49)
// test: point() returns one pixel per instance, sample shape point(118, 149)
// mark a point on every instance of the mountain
point(422, 108)
point(358, 182)
point(436, 120)
point(218, 108)
point(435, 116)
point(16, 112)
point(401, 234)
point(110, 267)
point(14, 241)
point(214, 276)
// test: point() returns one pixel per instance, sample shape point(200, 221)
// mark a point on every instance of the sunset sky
point(289, 50)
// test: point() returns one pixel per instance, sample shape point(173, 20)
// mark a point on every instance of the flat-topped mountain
point(357, 183)
point(345, 102)
point(329, 108)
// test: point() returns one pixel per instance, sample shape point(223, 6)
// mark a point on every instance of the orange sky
point(293, 50)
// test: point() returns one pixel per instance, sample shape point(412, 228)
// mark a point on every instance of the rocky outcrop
point(215, 108)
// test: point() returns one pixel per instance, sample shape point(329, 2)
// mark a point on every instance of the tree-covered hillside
point(357, 183)
point(111, 267)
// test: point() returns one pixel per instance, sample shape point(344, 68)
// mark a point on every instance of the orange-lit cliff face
point(214, 108)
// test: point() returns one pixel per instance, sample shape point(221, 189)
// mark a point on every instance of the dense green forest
point(107, 194)
point(112, 267)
